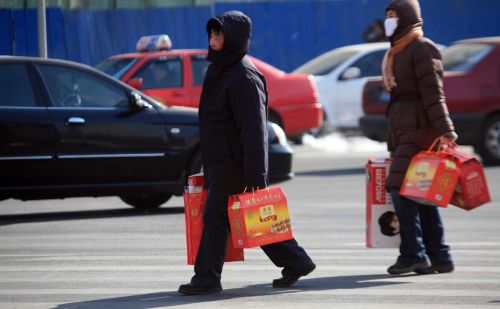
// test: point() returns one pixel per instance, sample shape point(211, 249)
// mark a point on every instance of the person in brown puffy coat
point(412, 72)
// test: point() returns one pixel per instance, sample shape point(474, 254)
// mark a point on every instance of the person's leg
point(289, 255)
point(293, 258)
point(412, 253)
point(433, 235)
point(212, 250)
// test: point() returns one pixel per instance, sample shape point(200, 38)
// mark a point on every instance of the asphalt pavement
point(98, 253)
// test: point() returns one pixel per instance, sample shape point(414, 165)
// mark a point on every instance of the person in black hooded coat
point(233, 132)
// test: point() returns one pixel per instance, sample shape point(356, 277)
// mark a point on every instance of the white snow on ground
point(338, 143)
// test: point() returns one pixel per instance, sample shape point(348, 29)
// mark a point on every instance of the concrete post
point(42, 30)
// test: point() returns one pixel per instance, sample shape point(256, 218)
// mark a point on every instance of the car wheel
point(275, 118)
point(297, 138)
point(489, 148)
point(325, 128)
point(146, 202)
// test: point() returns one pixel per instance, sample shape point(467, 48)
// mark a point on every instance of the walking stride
point(412, 73)
point(233, 133)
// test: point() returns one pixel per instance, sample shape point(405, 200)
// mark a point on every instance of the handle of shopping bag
point(436, 141)
point(442, 144)
point(253, 189)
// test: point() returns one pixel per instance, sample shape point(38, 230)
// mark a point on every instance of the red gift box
point(194, 202)
point(259, 218)
point(382, 225)
point(471, 190)
point(431, 178)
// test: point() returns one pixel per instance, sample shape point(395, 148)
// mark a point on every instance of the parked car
point(175, 78)
point(472, 89)
point(69, 130)
point(340, 75)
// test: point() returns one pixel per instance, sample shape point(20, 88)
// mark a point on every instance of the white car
point(340, 75)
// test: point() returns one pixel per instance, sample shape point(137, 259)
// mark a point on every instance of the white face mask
point(390, 25)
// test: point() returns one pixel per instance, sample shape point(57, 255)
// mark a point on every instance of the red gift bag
point(431, 177)
point(194, 202)
point(259, 218)
point(471, 190)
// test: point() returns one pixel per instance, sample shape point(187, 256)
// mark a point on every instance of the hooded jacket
point(233, 110)
point(417, 110)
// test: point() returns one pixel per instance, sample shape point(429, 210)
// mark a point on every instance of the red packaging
point(431, 178)
point(382, 225)
point(194, 202)
point(471, 190)
point(259, 218)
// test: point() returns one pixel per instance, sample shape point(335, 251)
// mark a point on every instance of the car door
point(163, 79)
point(349, 87)
point(101, 140)
point(26, 131)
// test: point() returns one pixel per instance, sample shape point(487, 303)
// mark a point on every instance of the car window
point(463, 57)
point(15, 86)
point(199, 65)
point(69, 87)
point(370, 64)
point(116, 67)
point(325, 63)
point(161, 73)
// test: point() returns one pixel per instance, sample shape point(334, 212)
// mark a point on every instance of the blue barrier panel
point(56, 41)
point(6, 32)
point(286, 34)
point(111, 32)
point(462, 19)
point(26, 32)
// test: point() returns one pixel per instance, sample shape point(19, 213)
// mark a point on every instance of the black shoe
point(191, 289)
point(289, 280)
point(438, 267)
point(403, 267)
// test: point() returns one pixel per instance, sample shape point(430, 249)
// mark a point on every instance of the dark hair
point(385, 223)
point(214, 25)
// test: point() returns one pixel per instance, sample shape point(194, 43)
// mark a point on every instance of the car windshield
point(325, 63)
point(116, 67)
point(464, 56)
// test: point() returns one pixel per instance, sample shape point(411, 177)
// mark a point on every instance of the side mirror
point(135, 82)
point(136, 101)
point(351, 73)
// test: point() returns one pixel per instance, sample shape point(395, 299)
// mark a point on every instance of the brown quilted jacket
point(417, 111)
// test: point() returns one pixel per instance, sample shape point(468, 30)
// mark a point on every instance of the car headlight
point(276, 134)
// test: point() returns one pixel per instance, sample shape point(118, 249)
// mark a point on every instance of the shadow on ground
point(334, 172)
point(172, 298)
point(82, 215)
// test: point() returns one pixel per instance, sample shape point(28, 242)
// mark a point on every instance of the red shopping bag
point(259, 218)
point(382, 225)
point(431, 177)
point(194, 202)
point(471, 190)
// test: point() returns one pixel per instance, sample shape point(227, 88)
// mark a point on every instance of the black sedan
point(68, 130)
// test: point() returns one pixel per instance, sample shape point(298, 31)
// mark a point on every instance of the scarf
point(388, 79)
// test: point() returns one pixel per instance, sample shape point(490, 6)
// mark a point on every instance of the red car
point(175, 77)
point(472, 88)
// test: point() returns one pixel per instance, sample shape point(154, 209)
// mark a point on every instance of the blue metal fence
point(285, 34)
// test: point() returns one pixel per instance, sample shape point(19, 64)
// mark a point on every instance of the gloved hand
point(450, 137)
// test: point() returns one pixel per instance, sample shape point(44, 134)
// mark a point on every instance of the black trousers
point(210, 259)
